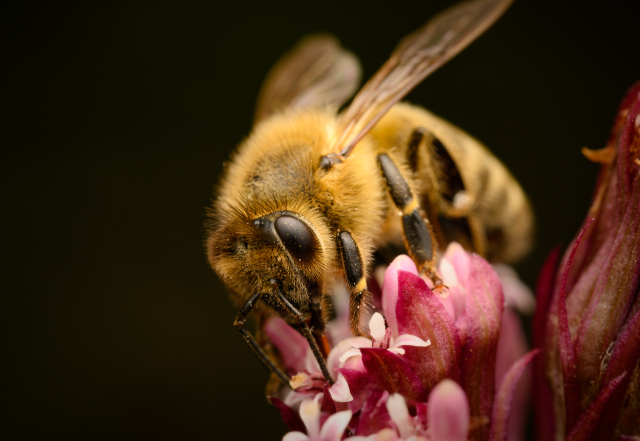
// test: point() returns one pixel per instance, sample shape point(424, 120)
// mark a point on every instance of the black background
point(116, 122)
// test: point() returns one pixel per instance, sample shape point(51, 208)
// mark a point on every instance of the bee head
point(247, 252)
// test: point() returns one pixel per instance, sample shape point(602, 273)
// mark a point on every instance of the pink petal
point(613, 295)
point(511, 346)
point(390, 289)
point(359, 384)
point(589, 418)
point(567, 352)
point(340, 390)
point(421, 313)
point(289, 416)
point(333, 360)
point(397, 409)
point(448, 273)
point(459, 258)
point(410, 340)
point(328, 405)
point(310, 415)
point(388, 372)
point(448, 412)
point(484, 307)
point(517, 295)
point(293, 347)
point(624, 358)
point(295, 436)
point(543, 398)
point(334, 427)
point(502, 406)
point(374, 416)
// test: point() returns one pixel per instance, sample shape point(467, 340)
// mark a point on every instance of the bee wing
point(316, 72)
point(417, 56)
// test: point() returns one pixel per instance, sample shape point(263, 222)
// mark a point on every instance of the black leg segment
point(306, 332)
point(418, 236)
point(355, 277)
point(253, 344)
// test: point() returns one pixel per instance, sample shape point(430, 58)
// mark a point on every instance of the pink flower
point(332, 429)
point(588, 319)
point(425, 375)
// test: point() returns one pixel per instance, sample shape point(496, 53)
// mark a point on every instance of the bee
point(309, 196)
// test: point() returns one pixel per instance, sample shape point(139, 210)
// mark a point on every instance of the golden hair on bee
point(311, 193)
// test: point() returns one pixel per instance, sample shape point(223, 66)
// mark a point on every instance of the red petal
point(567, 354)
point(485, 303)
point(328, 405)
point(612, 297)
point(358, 382)
point(419, 312)
point(290, 418)
point(374, 416)
point(543, 398)
point(388, 372)
point(589, 418)
point(624, 358)
point(544, 291)
point(504, 397)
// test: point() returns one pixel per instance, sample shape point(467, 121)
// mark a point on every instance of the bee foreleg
point(306, 332)
point(418, 236)
point(355, 278)
point(253, 344)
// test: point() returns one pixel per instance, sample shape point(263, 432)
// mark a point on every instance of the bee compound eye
point(296, 236)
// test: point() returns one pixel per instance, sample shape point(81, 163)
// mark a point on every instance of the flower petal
point(421, 313)
point(512, 345)
point(459, 258)
point(293, 347)
point(613, 295)
point(543, 397)
point(333, 360)
point(295, 436)
point(397, 408)
point(377, 328)
point(289, 416)
point(340, 390)
point(567, 351)
point(448, 412)
point(390, 289)
point(358, 383)
point(517, 295)
point(387, 371)
point(374, 416)
point(624, 357)
point(350, 353)
point(410, 340)
point(484, 307)
point(333, 428)
point(589, 418)
point(502, 405)
point(310, 415)
point(328, 405)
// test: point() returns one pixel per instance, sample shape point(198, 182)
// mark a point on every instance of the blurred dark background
point(116, 122)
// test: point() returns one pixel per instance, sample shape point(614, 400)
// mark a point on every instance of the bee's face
point(250, 254)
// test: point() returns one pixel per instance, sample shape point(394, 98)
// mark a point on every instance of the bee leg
point(418, 237)
point(253, 344)
point(306, 332)
point(355, 278)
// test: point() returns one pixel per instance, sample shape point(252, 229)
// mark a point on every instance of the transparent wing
point(316, 72)
point(417, 55)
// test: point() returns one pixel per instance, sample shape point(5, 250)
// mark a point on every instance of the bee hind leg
point(418, 235)
point(360, 304)
point(253, 344)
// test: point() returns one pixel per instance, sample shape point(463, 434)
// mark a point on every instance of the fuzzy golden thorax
point(274, 173)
